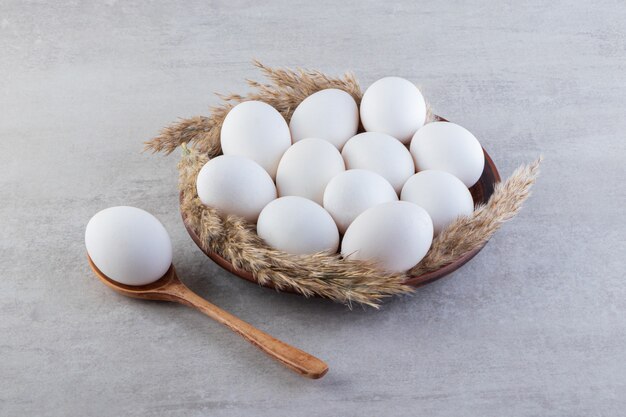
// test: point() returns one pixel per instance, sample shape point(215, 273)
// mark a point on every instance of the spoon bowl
point(153, 291)
point(170, 288)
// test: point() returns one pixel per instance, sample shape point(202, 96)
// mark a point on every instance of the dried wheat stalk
point(319, 274)
point(469, 233)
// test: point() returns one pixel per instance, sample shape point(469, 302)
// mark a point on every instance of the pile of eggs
point(316, 185)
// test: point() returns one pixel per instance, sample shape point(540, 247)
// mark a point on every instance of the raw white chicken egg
point(235, 185)
point(441, 194)
point(352, 192)
point(382, 154)
point(128, 245)
point(329, 114)
point(448, 147)
point(298, 225)
point(257, 131)
point(395, 235)
point(394, 106)
point(307, 167)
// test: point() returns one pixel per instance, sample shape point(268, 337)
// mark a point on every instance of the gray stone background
point(533, 326)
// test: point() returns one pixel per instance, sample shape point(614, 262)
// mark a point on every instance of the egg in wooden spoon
point(131, 252)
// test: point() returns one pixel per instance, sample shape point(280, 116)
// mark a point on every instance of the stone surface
point(534, 326)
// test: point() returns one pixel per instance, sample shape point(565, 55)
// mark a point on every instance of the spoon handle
point(295, 359)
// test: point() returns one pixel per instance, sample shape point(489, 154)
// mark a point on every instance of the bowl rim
point(415, 281)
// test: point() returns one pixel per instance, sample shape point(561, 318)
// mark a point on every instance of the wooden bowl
point(481, 191)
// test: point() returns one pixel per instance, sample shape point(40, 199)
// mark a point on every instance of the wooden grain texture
point(171, 288)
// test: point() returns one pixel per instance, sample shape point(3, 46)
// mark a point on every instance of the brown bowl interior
point(481, 191)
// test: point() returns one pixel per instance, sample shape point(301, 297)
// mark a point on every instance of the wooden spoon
point(170, 288)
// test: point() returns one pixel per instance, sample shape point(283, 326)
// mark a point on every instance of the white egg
point(395, 235)
point(394, 106)
point(298, 225)
point(352, 192)
point(330, 114)
point(128, 245)
point(235, 185)
point(257, 131)
point(306, 168)
point(382, 154)
point(441, 194)
point(448, 147)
